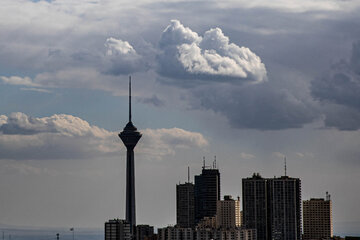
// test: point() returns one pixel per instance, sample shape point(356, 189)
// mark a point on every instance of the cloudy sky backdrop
point(247, 81)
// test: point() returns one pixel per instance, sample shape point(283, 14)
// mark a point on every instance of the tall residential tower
point(255, 208)
point(273, 207)
point(284, 203)
point(130, 137)
point(185, 205)
point(207, 193)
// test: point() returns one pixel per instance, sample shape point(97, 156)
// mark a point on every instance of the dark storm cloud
point(257, 107)
point(341, 117)
point(339, 91)
point(340, 87)
point(341, 84)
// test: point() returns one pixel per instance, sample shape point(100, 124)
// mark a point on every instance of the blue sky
point(249, 82)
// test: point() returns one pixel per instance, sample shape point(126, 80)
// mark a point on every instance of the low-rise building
point(144, 232)
point(176, 233)
point(117, 229)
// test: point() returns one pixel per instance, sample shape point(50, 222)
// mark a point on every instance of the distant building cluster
point(271, 210)
point(271, 207)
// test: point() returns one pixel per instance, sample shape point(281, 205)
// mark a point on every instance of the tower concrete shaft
point(130, 137)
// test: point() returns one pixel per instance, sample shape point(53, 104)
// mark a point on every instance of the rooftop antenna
point(327, 196)
point(203, 162)
point(188, 174)
point(129, 98)
point(215, 161)
point(285, 165)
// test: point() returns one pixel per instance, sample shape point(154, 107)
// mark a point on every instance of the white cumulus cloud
point(160, 142)
point(185, 54)
point(17, 80)
point(118, 47)
point(246, 156)
point(121, 57)
point(63, 136)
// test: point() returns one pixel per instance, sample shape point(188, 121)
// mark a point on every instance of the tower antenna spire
point(285, 165)
point(129, 98)
point(188, 174)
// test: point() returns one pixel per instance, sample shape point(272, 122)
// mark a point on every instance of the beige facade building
point(228, 213)
point(317, 216)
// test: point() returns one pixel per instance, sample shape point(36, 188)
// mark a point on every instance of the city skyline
point(249, 82)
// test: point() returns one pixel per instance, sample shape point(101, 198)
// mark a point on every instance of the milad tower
point(130, 137)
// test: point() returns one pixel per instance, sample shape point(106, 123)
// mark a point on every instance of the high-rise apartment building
point(284, 204)
point(254, 199)
point(207, 193)
point(185, 205)
point(117, 229)
point(228, 213)
point(273, 207)
point(317, 217)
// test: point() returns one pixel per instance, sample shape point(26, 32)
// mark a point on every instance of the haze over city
point(250, 82)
